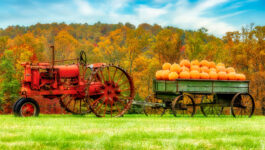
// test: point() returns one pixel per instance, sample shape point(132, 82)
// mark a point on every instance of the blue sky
point(218, 16)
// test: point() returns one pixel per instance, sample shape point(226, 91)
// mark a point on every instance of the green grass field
point(131, 132)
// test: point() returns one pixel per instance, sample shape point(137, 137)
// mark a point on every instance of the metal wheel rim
point(237, 106)
point(28, 109)
point(112, 102)
point(150, 111)
point(177, 102)
point(214, 108)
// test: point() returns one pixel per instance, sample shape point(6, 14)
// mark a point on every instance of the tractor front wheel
point(26, 107)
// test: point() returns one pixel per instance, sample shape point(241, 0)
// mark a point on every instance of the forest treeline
point(140, 50)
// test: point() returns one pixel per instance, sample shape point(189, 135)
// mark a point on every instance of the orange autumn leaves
point(198, 70)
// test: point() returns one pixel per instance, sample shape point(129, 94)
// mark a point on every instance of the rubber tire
point(22, 101)
point(14, 106)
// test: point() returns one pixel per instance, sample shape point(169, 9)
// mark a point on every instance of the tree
point(9, 85)
point(3, 43)
point(65, 46)
point(167, 45)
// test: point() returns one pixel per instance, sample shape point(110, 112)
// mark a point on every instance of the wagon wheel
point(210, 106)
point(115, 94)
point(242, 105)
point(156, 110)
point(183, 105)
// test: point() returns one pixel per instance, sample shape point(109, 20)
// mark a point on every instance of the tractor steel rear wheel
point(27, 107)
point(153, 106)
point(77, 104)
point(74, 105)
point(183, 105)
point(115, 94)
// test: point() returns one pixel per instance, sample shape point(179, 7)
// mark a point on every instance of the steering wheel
point(83, 58)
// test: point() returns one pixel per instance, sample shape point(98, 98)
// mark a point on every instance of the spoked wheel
point(74, 105)
point(242, 105)
point(210, 106)
point(27, 107)
point(153, 106)
point(77, 104)
point(115, 93)
point(183, 105)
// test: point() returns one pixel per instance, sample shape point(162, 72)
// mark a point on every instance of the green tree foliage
point(9, 85)
point(3, 43)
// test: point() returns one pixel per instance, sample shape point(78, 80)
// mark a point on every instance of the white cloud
point(194, 16)
point(84, 7)
point(181, 13)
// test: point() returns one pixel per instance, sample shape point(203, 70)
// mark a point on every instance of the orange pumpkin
point(184, 75)
point(175, 68)
point(195, 62)
point(240, 76)
point(195, 67)
point(205, 69)
point(220, 69)
point(173, 76)
point(204, 75)
point(165, 74)
point(204, 63)
point(185, 63)
point(194, 74)
point(166, 66)
point(230, 69)
point(231, 76)
point(212, 69)
point(159, 75)
point(220, 64)
point(213, 75)
point(222, 75)
point(212, 64)
point(184, 69)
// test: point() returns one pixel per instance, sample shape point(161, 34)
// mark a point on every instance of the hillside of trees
point(140, 50)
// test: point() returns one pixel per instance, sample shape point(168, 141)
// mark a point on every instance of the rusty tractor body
point(81, 87)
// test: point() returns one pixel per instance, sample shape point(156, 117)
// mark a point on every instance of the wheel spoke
point(117, 108)
point(97, 100)
point(100, 106)
point(111, 109)
point(74, 105)
point(80, 106)
point(105, 109)
point(125, 90)
point(114, 74)
point(124, 82)
point(108, 73)
point(120, 77)
point(102, 76)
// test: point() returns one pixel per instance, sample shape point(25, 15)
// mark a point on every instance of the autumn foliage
point(143, 50)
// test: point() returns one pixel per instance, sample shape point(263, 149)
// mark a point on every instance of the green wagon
point(182, 97)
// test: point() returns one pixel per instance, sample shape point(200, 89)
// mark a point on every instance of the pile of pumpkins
point(198, 70)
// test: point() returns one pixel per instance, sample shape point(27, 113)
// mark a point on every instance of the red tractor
point(81, 88)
